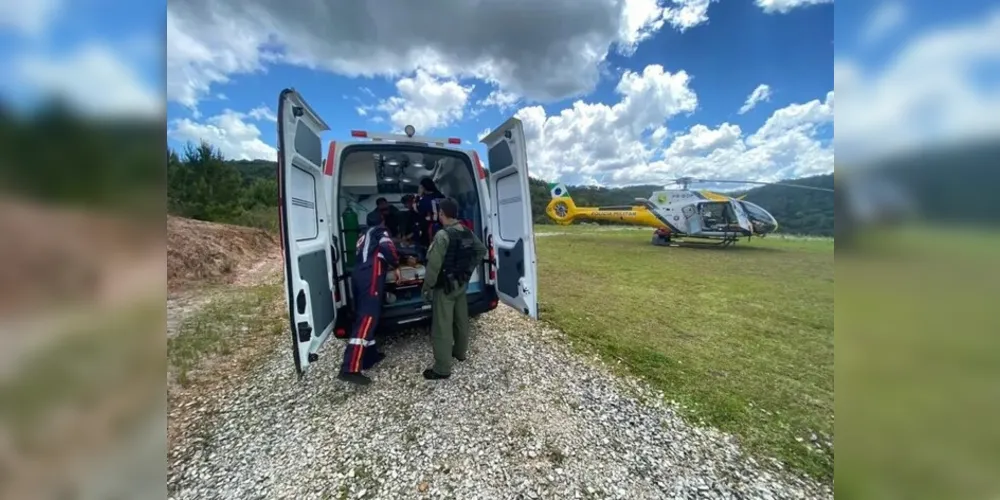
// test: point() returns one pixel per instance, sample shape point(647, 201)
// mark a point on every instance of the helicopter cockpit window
point(757, 213)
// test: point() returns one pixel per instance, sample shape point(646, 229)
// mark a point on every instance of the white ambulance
point(318, 194)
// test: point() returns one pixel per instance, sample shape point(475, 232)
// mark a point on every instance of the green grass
point(918, 360)
point(99, 361)
point(742, 337)
point(234, 319)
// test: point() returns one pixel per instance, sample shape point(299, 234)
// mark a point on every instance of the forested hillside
point(203, 185)
point(798, 211)
point(206, 186)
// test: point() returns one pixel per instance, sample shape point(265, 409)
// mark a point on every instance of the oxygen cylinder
point(351, 235)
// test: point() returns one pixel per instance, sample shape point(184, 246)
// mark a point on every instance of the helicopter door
point(303, 208)
point(510, 211)
point(692, 219)
point(741, 216)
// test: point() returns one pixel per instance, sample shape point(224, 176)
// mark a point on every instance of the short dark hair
point(380, 201)
point(407, 198)
point(449, 207)
point(428, 184)
point(374, 218)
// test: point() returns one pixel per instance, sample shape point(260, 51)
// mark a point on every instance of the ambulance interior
point(368, 173)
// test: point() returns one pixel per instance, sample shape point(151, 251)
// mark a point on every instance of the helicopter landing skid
point(665, 241)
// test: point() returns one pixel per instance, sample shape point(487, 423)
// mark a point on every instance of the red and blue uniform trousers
point(427, 210)
point(376, 254)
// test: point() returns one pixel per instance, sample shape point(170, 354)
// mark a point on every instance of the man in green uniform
point(452, 257)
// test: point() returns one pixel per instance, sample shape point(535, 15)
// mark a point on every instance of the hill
point(799, 211)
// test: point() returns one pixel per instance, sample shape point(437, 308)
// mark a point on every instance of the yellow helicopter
point(680, 216)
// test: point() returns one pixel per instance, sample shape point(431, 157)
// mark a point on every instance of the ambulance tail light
point(454, 140)
point(479, 165)
point(359, 133)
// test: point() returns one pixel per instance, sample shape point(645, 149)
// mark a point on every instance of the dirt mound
point(199, 251)
point(52, 254)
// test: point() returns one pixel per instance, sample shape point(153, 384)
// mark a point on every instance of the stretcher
point(402, 285)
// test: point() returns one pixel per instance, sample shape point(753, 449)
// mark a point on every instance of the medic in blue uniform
point(376, 254)
point(427, 209)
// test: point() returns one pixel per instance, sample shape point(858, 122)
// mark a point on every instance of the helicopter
point(681, 217)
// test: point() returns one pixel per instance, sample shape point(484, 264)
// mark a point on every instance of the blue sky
point(610, 91)
point(738, 49)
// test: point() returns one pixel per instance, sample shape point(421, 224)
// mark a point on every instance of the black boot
point(430, 374)
point(354, 378)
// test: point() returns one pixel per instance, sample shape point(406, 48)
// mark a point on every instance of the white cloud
point(621, 143)
point(555, 52)
point(928, 94)
point(786, 6)
point(94, 79)
point(686, 14)
point(263, 112)
point(500, 99)
point(759, 94)
point(203, 52)
point(888, 16)
point(786, 146)
point(425, 102)
point(591, 139)
point(30, 18)
point(229, 132)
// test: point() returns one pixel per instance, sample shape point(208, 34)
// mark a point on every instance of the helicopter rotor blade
point(689, 180)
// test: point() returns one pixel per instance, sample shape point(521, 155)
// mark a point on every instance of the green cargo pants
point(449, 327)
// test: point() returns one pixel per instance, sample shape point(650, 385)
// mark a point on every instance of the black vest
point(458, 259)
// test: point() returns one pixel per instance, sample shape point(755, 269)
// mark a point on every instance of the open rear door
point(304, 208)
point(510, 207)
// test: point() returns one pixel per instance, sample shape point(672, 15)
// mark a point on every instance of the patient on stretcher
point(411, 268)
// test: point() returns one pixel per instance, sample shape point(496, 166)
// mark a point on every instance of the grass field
point(742, 337)
point(918, 360)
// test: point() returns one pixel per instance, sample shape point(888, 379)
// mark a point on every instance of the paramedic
point(427, 209)
point(375, 255)
point(409, 219)
point(451, 260)
point(390, 214)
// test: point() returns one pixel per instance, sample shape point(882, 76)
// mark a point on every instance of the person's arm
point(435, 259)
point(388, 249)
point(480, 249)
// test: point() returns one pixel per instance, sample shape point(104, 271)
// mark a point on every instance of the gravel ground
point(521, 418)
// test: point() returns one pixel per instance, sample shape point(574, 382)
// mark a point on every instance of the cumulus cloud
point(263, 112)
point(94, 79)
point(538, 50)
point(788, 145)
point(930, 93)
point(623, 143)
point(759, 94)
point(590, 139)
point(887, 16)
point(228, 131)
point(30, 19)
point(426, 102)
point(686, 14)
point(786, 6)
point(500, 100)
